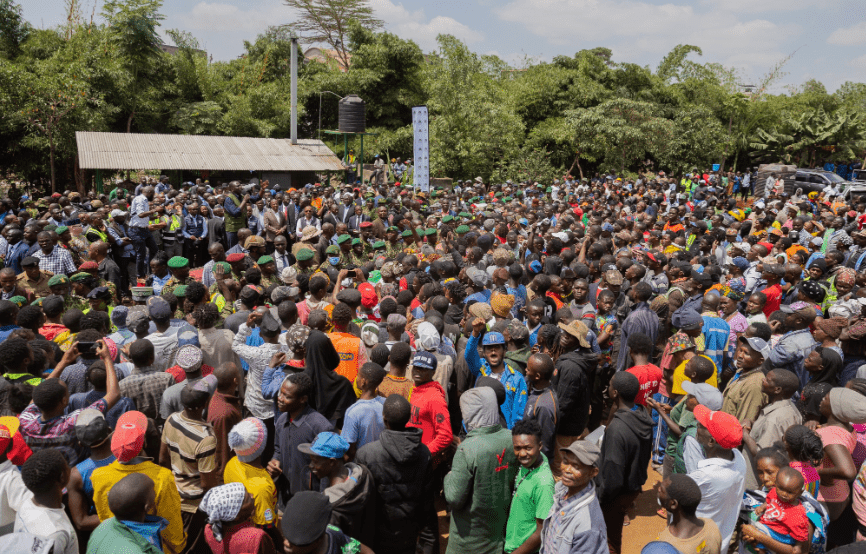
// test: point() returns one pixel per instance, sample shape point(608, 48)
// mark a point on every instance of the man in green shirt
point(533, 490)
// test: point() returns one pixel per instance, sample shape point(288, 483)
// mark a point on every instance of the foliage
point(13, 29)
point(813, 137)
point(327, 21)
point(529, 164)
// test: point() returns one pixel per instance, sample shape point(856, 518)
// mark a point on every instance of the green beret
point(18, 300)
point(407, 233)
point(333, 249)
point(343, 238)
point(78, 277)
point(38, 301)
point(392, 228)
point(386, 200)
point(50, 228)
point(474, 199)
point(465, 214)
point(265, 260)
point(304, 254)
point(179, 291)
point(430, 232)
point(447, 219)
point(462, 230)
point(498, 195)
point(369, 195)
point(62, 229)
point(178, 262)
point(507, 199)
point(227, 267)
point(379, 244)
point(58, 280)
point(356, 241)
point(548, 189)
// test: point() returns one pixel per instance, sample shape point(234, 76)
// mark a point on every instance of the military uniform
point(38, 288)
point(73, 301)
point(173, 283)
point(392, 249)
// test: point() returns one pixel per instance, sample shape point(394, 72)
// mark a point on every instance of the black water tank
point(351, 116)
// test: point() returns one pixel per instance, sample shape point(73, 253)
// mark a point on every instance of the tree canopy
point(582, 114)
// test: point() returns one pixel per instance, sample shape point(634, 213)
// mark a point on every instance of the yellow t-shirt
point(259, 484)
point(680, 376)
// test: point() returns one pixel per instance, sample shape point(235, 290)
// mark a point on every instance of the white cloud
point(849, 36)
point(415, 26)
point(223, 17)
point(859, 63)
point(722, 36)
point(764, 6)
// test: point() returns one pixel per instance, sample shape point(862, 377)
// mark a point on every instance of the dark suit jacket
point(291, 217)
point(344, 213)
point(356, 220)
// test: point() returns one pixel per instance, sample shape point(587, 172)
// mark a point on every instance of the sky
point(826, 37)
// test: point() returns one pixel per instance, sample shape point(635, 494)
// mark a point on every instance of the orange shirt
point(349, 348)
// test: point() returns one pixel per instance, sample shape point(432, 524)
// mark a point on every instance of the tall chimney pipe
point(294, 124)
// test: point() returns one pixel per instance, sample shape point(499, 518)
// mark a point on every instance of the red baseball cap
point(723, 427)
point(128, 438)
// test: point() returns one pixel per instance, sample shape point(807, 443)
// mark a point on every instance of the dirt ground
point(643, 527)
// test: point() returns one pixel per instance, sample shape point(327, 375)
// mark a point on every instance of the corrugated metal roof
point(145, 151)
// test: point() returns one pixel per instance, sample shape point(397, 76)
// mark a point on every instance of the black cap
point(99, 293)
point(269, 325)
point(349, 296)
point(306, 518)
point(29, 261)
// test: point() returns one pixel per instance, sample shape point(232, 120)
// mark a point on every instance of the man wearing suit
point(216, 231)
point(291, 211)
point(347, 208)
point(356, 220)
point(275, 224)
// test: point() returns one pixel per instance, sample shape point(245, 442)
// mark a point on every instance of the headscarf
point(332, 393)
point(428, 337)
point(297, 336)
point(725, 290)
point(222, 505)
point(848, 405)
point(502, 304)
point(832, 326)
point(811, 397)
point(846, 276)
point(831, 365)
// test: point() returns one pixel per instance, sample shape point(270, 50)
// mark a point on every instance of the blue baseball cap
point(741, 262)
point(535, 266)
point(425, 360)
point(493, 338)
point(326, 445)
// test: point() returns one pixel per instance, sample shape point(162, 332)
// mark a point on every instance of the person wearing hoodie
point(625, 455)
point(478, 487)
point(495, 365)
point(348, 486)
point(572, 374)
point(429, 407)
point(402, 472)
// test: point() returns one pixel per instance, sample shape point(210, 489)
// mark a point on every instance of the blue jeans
point(142, 241)
point(660, 430)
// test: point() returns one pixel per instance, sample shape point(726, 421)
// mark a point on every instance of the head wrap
point(846, 276)
point(332, 393)
point(502, 304)
point(832, 326)
point(428, 337)
point(297, 336)
point(848, 405)
point(726, 291)
point(222, 504)
point(248, 439)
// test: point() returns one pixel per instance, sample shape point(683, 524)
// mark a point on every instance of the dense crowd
point(244, 368)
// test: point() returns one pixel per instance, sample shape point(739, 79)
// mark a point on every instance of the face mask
point(334, 260)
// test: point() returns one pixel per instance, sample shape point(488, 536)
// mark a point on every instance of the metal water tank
point(351, 116)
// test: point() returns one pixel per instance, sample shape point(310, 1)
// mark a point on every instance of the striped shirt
point(192, 447)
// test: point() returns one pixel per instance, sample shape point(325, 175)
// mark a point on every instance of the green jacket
point(234, 224)
point(478, 490)
point(113, 537)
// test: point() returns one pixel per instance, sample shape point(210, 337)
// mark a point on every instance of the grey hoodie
point(479, 408)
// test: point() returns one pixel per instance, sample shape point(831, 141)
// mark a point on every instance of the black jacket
point(625, 454)
point(572, 378)
point(402, 472)
point(352, 512)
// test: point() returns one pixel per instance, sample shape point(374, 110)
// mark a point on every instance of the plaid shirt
point(58, 262)
point(55, 433)
point(145, 386)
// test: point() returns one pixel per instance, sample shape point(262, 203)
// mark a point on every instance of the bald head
point(128, 498)
point(710, 302)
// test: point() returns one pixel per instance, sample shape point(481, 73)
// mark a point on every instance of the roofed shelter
point(278, 160)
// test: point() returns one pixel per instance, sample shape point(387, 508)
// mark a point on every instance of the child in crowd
point(806, 452)
point(782, 525)
point(755, 308)
point(248, 439)
point(363, 420)
point(396, 381)
point(606, 324)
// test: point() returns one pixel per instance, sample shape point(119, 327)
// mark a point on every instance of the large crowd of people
point(236, 368)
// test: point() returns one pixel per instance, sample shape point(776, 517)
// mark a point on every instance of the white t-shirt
point(13, 494)
point(164, 347)
point(51, 523)
point(722, 484)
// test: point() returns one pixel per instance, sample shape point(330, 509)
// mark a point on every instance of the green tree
point(327, 21)
point(13, 29)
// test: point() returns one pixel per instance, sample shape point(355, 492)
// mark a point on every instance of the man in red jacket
point(429, 407)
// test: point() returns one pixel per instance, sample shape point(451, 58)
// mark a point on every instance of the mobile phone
point(87, 348)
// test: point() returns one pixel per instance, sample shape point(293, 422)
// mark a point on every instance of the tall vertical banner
point(421, 166)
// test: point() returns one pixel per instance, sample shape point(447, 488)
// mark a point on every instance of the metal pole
point(294, 124)
point(362, 159)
